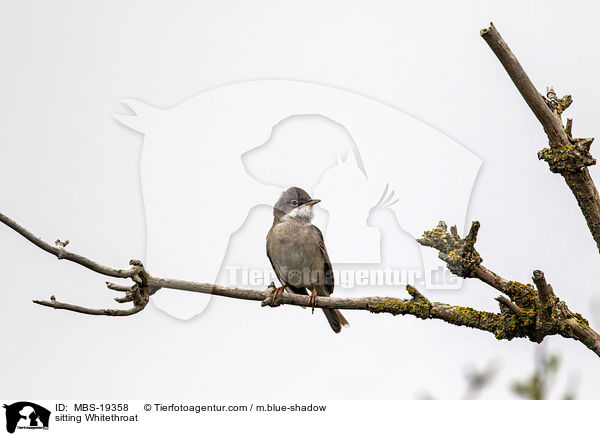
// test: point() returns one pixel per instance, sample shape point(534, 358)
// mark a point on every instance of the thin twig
point(87, 311)
point(508, 304)
point(61, 253)
point(120, 288)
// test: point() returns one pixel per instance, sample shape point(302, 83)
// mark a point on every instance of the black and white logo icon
point(26, 415)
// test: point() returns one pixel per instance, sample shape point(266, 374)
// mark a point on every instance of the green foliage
point(538, 385)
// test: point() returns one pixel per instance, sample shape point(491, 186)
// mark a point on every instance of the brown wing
point(329, 283)
point(294, 289)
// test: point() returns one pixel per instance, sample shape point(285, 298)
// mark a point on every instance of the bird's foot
point(276, 295)
point(312, 301)
point(274, 298)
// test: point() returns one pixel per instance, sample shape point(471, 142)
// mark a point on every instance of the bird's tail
point(336, 319)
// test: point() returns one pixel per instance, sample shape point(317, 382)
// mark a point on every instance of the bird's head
point(294, 203)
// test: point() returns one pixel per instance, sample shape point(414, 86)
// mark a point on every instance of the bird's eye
point(294, 203)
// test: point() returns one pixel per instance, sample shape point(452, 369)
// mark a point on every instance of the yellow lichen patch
point(561, 154)
point(503, 327)
point(389, 305)
point(418, 308)
point(525, 296)
point(569, 157)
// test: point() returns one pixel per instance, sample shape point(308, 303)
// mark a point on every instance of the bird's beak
point(312, 202)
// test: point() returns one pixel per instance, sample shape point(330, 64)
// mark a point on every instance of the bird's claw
point(276, 295)
point(312, 301)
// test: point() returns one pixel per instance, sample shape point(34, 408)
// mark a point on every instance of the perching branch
point(522, 316)
point(566, 156)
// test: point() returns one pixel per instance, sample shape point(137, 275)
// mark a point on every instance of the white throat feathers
point(303, 212)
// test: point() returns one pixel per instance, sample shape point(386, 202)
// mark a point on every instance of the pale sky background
point(70, 171)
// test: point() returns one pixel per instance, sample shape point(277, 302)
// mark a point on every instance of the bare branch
point(582, 332)
point(569, 128)
point(120, 288)
point(139, 295)
point(492, 279)
point(532, 97)
point(126, 299)
point(73, 308)
point(508, 304)
point(60, 252)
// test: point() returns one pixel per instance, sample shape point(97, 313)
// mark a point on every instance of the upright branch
point(566, 156)
point(511, 64)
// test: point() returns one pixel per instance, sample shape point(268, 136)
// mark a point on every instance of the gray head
point(294, 203)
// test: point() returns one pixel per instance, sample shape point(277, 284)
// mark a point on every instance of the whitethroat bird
point(297, 252)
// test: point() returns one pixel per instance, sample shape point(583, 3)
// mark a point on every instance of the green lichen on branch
point(524, 296)
point(438, 238)
point(395, 306)
point(532, 312)
point(572, 157)
point(459, 253)
point(503, 326)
